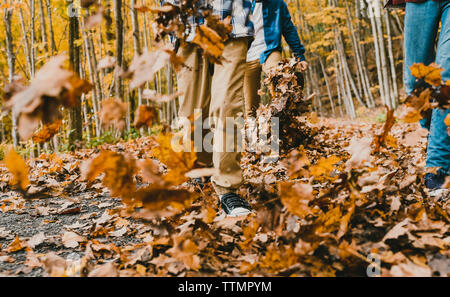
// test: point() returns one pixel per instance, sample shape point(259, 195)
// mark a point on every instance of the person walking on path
point(216, 91)
point(272, 21)
point(422, 20)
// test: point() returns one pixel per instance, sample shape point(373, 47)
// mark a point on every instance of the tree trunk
point(43, 25)
point(50, 24)
point(392, 62)
point(76, 125)
point(11, 66)
point(136, 40)
point(119, 45)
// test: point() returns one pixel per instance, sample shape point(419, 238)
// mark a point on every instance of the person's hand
point(302, 66)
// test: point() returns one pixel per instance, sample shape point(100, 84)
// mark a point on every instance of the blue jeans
point(421, 29)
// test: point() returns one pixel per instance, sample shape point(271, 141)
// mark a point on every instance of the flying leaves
point(112, 114)
point(178, 158)
point(52, 87)
point(145, 116)
point(424, 98)
point(296, 198)
point(380, 140)
point(47, 132)
point(18, 169)
point(431, 74)
point(144, 67)
point(118, 172)
point(211, 37)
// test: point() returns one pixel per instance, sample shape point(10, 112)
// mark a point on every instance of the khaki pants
point(218, 91)
point(252, 81)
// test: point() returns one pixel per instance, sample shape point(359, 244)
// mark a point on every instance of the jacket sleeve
point(290, 33)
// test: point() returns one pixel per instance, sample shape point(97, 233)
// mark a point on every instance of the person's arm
point(290, 33)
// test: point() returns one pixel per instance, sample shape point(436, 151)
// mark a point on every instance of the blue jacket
point(277, 22)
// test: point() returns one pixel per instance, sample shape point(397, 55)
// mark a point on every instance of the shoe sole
point(240, 213)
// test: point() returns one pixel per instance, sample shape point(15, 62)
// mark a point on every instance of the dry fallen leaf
point(155, 198)
point(18, 169)
point(360, 152)
point(380, 140)
point(52, 87)
point(431, 73)
point(186, 250)
point(47, 132)
point(447, 120)
point(324, 166)
point(145, 116)
point(144, 67)
point(296, 198)
point(209, 41)
point(104, 270)
point(159, 98)
point(106, 62)
point(178, 159)
point(16, 245)
point(112, 114)
point(71, 239)
point(36, 240)
point(119, 173)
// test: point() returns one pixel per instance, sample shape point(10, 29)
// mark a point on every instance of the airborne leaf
point(18, 169)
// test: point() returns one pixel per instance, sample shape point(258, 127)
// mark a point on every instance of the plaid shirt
point(239, 10)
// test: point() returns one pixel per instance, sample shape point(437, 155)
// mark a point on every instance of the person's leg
point(272, 61)
point(227, 102)
point(421, 27)
point(252, 84)
point(438, 152)
point(194, 81)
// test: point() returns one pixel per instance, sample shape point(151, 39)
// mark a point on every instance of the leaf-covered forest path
point(361, 207)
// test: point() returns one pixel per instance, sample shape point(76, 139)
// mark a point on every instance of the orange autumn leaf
point(150, 172)
point(53, 86)
point(410, 115)
point(415, 105)
point(16, 245)
point(119, 173)
point(145, 116)
point(296, 198)
point(210, 41)
point(157, 198)
point(144, 67)
point(330, 221)
point(212, 35)
point(70, 97)
point(324, 166)
point(381, 139)
point(178, 158)
point(18, 169)
point(160, 201)
point(278, 258)
point(165, 8)
point(47, 132)
point(222, 27)
point(447, 120)
point(112, 114)
point(431, 73)
point(186, 251)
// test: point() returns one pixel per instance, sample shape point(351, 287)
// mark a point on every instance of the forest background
point(353, 48)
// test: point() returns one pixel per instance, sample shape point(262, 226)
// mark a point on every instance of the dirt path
point(329, 208)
